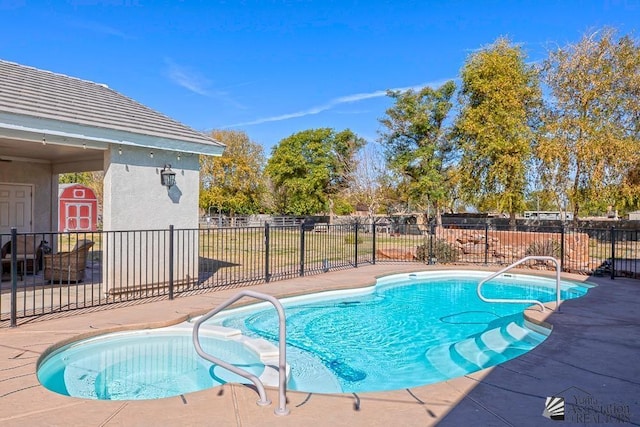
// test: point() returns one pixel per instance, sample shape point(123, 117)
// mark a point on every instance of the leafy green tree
point(310, 170)
point(499, 101)
point(541, 200)
point(233, 183)
point(417, 147)
point(590, 142)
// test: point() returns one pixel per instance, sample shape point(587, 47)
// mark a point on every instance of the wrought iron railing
point(126, 266)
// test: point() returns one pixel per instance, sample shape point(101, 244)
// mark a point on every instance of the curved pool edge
point(109, 330)
point(530, 314)
point(451, 399)
point(529, 322)
point(538, 319)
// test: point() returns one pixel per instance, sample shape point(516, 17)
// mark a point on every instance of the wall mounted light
point(167, 176)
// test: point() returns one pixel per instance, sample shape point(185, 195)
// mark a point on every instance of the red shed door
point(78, 216)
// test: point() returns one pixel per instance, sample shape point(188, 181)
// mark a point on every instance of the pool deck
point(590, 359)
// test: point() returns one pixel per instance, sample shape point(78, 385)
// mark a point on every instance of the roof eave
point(35, 129)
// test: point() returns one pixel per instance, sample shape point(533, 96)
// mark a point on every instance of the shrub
point(546, 248)
point(443, 251)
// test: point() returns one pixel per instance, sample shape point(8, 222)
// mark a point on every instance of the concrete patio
point(589, 360)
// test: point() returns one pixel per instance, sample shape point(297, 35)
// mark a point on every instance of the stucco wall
point(134, 199)
point(39, 175)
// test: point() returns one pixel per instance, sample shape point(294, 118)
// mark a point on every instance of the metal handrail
point(282, 358)
point(527, 258)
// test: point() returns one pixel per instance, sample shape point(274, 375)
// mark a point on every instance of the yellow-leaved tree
point(233, 184)
point(590, 143)
point(499, 103)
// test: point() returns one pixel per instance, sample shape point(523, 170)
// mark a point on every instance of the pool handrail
point(515, 264)
point(282, 356)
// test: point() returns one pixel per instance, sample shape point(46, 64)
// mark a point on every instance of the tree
point(368, 179)
point(309, 170)
point(494, 131)
point(416, 144)
point(233, 183)
point(630, 189)
point(591, 134)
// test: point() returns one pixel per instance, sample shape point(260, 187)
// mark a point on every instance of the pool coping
point(452, 401)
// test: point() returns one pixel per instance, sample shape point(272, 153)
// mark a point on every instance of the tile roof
point(37, 93)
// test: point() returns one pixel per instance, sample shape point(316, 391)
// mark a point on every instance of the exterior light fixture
point(167, 176)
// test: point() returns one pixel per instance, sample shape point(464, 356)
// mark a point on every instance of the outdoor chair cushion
point(67, 266)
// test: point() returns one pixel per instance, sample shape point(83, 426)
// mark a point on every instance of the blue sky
point(274, 68)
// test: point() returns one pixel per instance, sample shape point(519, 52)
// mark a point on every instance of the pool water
point(406, 331)
point(403, 333)
point(147, 364)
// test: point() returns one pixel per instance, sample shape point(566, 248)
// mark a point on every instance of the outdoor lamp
point(167, 176)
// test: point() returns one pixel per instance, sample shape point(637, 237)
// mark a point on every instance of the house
point(634, 216)
point(52, 123)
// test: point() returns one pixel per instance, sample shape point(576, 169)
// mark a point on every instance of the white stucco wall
point(44, 204)
point(134, 199)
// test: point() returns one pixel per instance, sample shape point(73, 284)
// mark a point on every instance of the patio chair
point(67, 266)
point(28, 255)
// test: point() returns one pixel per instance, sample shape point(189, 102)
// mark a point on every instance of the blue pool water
point(408, 330)
point(147, 364)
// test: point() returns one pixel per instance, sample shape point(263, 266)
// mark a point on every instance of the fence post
point(302, 249)
point(432, 236)
point(356, 244)
point(373, 232)
point(613, 252)
point(486, 243)
point(267, 274)
point(562, 232)
point(171, 262)
point(14, 276)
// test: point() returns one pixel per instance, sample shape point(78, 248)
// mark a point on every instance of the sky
point(272, 68)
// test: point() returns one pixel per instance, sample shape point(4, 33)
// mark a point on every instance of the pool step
point(483, 350)
point(267, 352)
point(476, 351)
point(263, 348)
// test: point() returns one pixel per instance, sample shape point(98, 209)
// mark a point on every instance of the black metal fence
point(47, 273)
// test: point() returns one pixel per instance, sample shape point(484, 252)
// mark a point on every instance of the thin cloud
point(187, 78)
point(347, 99)
point(195, 82)
point(97, 27)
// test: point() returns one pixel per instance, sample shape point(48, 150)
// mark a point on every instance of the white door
point(78, 217)
point(16, 204)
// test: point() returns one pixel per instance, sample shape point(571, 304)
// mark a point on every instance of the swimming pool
point(146, 364)
point(406, 331)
